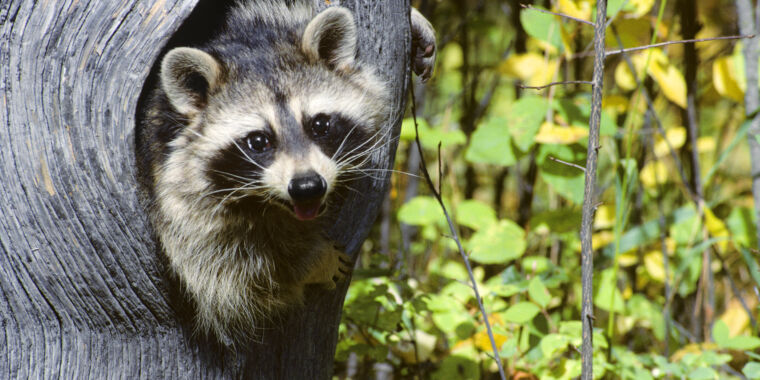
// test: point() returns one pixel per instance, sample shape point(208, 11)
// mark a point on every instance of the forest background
point(675, 239)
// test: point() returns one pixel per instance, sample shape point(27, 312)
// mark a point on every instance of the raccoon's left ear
point(187, 77)
point(331, 37)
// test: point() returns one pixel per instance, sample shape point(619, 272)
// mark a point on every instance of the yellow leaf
point(692, 348)
point(615, 103)
point(654, 265)
point(654, 173)
point(671, 82)
point(623, 77)
point(576, 8)
point(567, 42)
point(605, 217)
point(532, 68)
point(601, 239)
point(726, 79)
point(675, 136)
point(641, 7)
point(736, 317)
point(627, 259)
point(550, 133)
point(632, 32)
point(483, 343)
point(706, 144)
point(717, 228)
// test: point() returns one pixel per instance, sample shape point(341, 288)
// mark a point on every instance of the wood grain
point(82, 291)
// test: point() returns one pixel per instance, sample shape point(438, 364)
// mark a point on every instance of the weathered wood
point(82, 291)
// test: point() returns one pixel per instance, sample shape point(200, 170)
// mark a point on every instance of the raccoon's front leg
point(333, 266)
point(423, 46)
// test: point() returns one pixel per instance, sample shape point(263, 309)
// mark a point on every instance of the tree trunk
point(82, 290)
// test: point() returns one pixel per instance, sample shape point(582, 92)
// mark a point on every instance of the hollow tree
point(82, 289)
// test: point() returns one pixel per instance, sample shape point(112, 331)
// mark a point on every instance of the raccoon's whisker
point(354, 170)
point(373, 140)
point(340, 147)
point(229, 175)
point(379, 144)
point(247, 157)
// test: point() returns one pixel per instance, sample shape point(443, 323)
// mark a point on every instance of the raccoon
point(243, 145)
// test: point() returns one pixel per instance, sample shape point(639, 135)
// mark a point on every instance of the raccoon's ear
point(331, 37)
point(187, 76)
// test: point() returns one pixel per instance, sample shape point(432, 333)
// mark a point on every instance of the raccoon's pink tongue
point(307, 210)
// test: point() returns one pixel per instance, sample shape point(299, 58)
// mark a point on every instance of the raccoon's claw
point(423, 46)
point(342, 270)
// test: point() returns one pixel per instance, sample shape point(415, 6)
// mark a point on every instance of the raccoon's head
point(274, 119)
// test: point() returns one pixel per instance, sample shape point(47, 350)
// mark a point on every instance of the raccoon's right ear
point(187, 76)
point(331, 37)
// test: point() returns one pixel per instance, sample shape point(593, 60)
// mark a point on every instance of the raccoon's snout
point(307, 191)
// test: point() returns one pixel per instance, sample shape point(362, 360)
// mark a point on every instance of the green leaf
point(741, 343)
point(543, 26)
point(420, 211)
point(498, 244)
point(744, 343)
point(525, 120)
point(536, 264)
point(720, 333)
point(608, 297)
point(566, 180)
point(725, 153)
point(430, 137)
point(553, 343)
point(457, 367)
point(703, 373)
point(538, 292)
point(491, 144)
point(754, 268)
point(752, 370)
point(475, 214)
point(559, 221)
point(521, 312)
point(407, 128)
point(741, 222)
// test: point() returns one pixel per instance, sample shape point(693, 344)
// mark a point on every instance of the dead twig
point(455, 236)
point(555, 84)
point(568, 163)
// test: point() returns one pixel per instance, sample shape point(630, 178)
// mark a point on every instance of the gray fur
point(240, 254)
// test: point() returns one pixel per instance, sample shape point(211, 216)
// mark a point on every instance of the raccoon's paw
point(343, 268)
point(423, 46)
point(333, 268)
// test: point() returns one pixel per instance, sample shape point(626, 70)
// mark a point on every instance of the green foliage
point(512, 179)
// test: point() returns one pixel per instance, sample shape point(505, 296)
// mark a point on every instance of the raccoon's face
point(285, 134)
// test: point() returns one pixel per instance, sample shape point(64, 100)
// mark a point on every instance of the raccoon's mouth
point(308, 210)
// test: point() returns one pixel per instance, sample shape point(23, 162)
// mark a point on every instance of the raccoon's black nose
point(309, 186)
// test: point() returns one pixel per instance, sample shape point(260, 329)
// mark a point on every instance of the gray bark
point(748, 24)
point(82, 290)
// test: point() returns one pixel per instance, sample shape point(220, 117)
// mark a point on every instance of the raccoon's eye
point(320, 125)
point(258, 142)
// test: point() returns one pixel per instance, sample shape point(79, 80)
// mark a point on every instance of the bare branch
point(555, 84)
point(568, 163)
point(455, 236)
point(638, 48)
point(587, 219)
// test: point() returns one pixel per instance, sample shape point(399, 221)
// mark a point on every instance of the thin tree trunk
point(748, 24)
point(82, 289)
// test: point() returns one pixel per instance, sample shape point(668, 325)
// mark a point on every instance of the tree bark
point(82, 289)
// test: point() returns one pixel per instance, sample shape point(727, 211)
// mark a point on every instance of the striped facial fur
point(245, 146)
